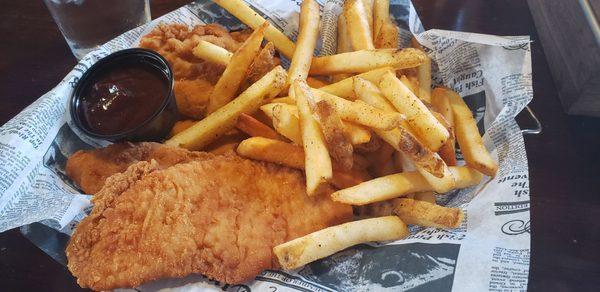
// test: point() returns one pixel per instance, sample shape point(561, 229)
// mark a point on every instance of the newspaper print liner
point(489, 252)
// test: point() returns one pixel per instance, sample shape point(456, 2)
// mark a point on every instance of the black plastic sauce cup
point(157, 126)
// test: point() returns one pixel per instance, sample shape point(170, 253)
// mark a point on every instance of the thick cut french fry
point(318, 163)
point(409, 79)
point(387, 37)
point(396, 185)
point(423, 74)
point(269, 108)
point(290, 155)
point(212, 53)
point(274, 151)
point(359, 30)
point(428, 129)
point(224, 119)
point(285, 99)
point(446, 151)
point(425, 196)
point(441, 103)
point(381, 15)
point(441, 119)
point(361, 113)
point(356, 133)
point(343, 44)
point(249, 17)
point(338, 144)
point(424, 78)
point(465, 176)
point(306, 42)
point(344, 88)
point(264, 61)
point(412, 84)
point(440, 184)
point(469, 140)
point(400, 138)
point(325, 242)
point(386, 208)
point(366, 60)
point(416, 152)
point(368, 92)
point(315, 83)
point(368, 4)
point(382, 188)
point(254, 128)
point(343, 40)
point(426, 214)
point(235, 72)
point(286, 122)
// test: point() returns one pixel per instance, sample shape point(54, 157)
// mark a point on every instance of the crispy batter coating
point(90, 168)
point(192, 96)
point(195, 78)
point(219, 216)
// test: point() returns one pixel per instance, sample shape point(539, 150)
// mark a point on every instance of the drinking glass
point(86, 24)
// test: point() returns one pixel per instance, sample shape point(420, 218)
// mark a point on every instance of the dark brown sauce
point(122, 98)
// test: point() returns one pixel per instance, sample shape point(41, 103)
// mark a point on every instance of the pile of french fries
point(364, 120)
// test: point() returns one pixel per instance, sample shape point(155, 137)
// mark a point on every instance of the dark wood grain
point(564, 161)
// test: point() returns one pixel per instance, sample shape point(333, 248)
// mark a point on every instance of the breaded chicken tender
point(195, 78)
point(219, 216)
point(89, 169)
point(192, 97)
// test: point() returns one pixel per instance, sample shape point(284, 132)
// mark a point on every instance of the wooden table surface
point(564, 161)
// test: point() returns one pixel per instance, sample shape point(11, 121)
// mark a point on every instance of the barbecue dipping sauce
point(122, 98)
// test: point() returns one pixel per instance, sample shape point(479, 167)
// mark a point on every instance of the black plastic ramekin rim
point(123, 56)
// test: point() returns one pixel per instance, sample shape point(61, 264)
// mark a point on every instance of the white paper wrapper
point(489, 252)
